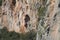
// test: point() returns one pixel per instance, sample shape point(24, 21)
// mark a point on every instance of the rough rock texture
point(21, 16)
point(14, 15)
point(51, 25)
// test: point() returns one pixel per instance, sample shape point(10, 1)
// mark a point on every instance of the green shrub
point(5, 35)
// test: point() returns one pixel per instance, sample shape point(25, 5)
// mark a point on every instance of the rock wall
point(21, 16)
point(18, 15)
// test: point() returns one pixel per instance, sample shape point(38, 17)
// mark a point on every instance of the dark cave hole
point(0, 2)
point(4, 13)
point(14, 2)
point(55, 17)
point(59, 5)
point(25, 25)
point(48, 30)
point(27, 18)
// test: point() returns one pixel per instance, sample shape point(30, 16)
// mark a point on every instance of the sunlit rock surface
point(42, 16)
point(14, 15)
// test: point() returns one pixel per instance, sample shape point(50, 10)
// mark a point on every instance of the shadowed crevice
point(14, 2)
point(27, 18)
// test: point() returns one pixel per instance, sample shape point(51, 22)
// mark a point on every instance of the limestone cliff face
point(50, 22)
point(19, 15)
